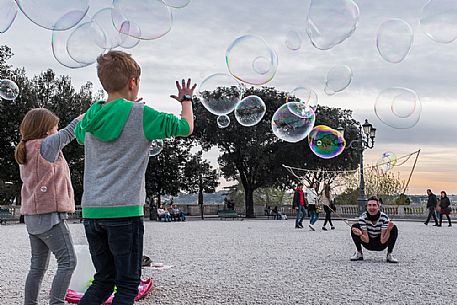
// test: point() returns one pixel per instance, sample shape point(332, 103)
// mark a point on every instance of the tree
point(254, 155)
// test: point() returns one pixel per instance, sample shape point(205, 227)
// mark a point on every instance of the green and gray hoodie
point(116, 137)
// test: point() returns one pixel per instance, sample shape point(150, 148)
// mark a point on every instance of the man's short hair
point(373, 198)
point(115, 69)
point(429, 190)
point(300, 184)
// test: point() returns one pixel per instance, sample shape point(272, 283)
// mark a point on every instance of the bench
point(5, 216)
point(227, 214)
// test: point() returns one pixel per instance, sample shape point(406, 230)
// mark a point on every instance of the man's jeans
point(301, 212)
point(313, 217)
point(58, 241)
point(431, 213)
point(116, 248)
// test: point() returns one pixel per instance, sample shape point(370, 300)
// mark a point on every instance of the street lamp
point(365, 139)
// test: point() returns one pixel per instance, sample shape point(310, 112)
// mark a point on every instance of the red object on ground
point(143, 290)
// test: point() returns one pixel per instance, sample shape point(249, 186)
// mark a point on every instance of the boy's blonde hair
point(115, 69)
point(35, 125)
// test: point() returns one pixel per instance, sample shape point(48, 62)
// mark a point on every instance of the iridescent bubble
point(8, 12)
point(129, 31)
point(219, 93)
point(54, 15)
point(250, 110)
point(152, 17)
point(155, 148)
point(338, 79)
point(304, 95)
point(8, 89)
point(398, 107)
point(387, 161)
point(43, 189)
point(83, 44)
point(293, 40)
point(394, 41)
point(330, 22)
point(439, 20)
point(177, 3)
point(102, 21)
point(290, 127)
point(223, 121)
point(326, 142)
point(251, 60)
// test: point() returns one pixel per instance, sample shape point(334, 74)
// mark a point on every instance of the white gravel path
point(268, 262)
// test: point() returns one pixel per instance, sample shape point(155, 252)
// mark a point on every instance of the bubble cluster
point(326, 142)
point(8, 89)
point(223, 121)
point(251, 60)
point(439, 20)
point(398, 107)
point(293, 40)
point(303, 95)
point(290, 127)
point(8, 12)
point(219, 93)
point(338, 79)
point(394, 40)
point(250, 110)
point(387, 161)
point(155, 148)
point(330, 22)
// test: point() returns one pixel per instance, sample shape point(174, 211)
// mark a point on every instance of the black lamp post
point(365, 139)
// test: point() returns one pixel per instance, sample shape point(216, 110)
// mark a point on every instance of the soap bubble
point(439, 20)
point(155, 148)
point(8, 89)
point(177, 3)
point(293, 40)
point(398, 107)
point(251, 60)
point(250, 110)
point(387, 161)
point(83, 44)
point(43, 189)
point(219, 93)
point(8, 12)
point(54, 15)
point(394, 41)
point(326, 142)
point(290, 127)
point(103, 22)
point(223, 121)
point(330, 22)
point(338, 79)
point(304, 95)
point(129, 31)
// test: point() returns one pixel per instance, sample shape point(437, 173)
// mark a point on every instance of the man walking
point(431, 206)
point(300, 204)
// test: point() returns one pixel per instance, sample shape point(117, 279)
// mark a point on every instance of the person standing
point(431, 206)
point(47, 197)
point(300, 204)
point(444, 208)
point(326, 199)
point(311, 197)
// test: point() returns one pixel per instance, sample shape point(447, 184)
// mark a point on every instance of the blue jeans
point(116, 248)
point(313, 217)
point(301, 212)
point(58, 241)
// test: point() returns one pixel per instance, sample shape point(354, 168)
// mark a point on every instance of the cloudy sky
point(202, 31)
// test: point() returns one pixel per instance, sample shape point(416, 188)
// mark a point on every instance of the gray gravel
point(268, 262)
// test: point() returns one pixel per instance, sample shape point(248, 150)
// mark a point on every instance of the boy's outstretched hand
point(184, 89)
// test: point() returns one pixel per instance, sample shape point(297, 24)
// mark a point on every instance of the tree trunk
point(249, 202)
point(200, 202)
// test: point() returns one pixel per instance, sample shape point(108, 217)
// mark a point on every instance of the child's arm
point(52, 144)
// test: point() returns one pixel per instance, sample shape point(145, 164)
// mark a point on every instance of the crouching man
point(375, 232)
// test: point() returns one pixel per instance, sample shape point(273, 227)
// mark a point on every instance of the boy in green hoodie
point(117, 134)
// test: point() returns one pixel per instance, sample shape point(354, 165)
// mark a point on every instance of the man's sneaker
point(391, 259)
point(311, 227)
point(300, 225)
point(358, 256)
point(324, 228)
point(332, 228)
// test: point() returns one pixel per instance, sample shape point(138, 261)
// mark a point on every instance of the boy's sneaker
point(311, 227)
point(391, 259)
point(324, 228)
point(358, 256)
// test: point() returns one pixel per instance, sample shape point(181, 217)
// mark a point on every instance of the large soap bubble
point(439, 20)
point(8, 12)
point(223, 121)
point(155, 148)
point(83, 44)
point(290, 127)
point(338, 79)
point(251, 60)
point(8, 89)
point(54, 15)
point(398, 107)
point(387, 161)
point(326, 142)
point(219, 93)
point(250, 110)
point(293, 40)
point(330, 22)
point(152, 17)
point(394, 40)
point(103, 22)
point(306, 96)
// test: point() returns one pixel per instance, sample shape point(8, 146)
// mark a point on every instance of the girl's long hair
point(35, 125)
point(327, 190)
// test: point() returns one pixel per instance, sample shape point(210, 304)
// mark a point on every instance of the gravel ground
point(267, 262)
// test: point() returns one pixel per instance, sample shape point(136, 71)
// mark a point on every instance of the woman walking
point(444, 208)
point(326, 199)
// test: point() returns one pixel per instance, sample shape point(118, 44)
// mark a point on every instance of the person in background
point(299, 203)
point(445, 208)
point(326, 199)
point(431, 206)
point(162, 213)
point(311, 198)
